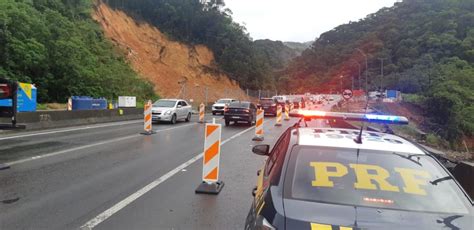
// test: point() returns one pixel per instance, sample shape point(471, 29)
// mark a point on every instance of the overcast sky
point(299, 20)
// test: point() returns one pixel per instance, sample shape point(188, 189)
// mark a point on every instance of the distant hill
point(427, 47)
point(299, 46)
point(275, 52)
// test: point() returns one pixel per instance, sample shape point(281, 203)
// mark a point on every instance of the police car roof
point(344, 138)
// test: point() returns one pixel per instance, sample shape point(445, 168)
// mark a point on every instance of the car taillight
point(247, 110)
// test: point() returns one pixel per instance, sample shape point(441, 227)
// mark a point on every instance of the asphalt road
point(109, 176)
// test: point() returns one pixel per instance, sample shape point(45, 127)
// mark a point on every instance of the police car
point(324, 178)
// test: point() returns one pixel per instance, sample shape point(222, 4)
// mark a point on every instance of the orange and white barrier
point(259, 126)
point(287, 112)
point(147, 119)
point(202, 110)
point(210, 161)
point(69, 104)
point(278, 117)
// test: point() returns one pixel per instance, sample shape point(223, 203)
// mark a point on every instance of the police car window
point(280, 148)
point(372, 179)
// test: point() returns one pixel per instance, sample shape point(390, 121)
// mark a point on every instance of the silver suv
point(220, 104)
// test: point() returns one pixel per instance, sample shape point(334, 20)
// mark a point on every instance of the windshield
point(238, 104)
point(372, 179)
point(223, 101)
point(165, 103)
point(267, 101)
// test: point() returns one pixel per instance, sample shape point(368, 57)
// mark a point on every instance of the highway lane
point(67, 190)
point(55, 191)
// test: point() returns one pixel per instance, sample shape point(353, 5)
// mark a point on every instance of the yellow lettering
point(322, 173)
point(320, 226)
point(412, 184)
point(364, 178)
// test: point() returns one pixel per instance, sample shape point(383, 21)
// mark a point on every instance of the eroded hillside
point(165, 62)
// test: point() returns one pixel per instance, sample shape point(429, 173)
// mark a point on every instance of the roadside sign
point(347, 94)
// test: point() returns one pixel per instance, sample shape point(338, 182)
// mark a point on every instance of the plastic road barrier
point(202, 110)
point(278, 118)
point(147, 119)
point(210, 162)
point(287, 112)
point(259, 126)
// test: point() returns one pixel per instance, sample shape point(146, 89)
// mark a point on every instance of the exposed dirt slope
point(165, 62)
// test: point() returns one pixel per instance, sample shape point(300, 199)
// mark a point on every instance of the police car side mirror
point(262, 150)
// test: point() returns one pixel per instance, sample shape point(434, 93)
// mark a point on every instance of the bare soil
point(165, 62)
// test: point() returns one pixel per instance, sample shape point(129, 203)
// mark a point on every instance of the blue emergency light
point(370, 118)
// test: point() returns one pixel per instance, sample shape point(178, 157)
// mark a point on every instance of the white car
point(220, 104)
point(171, 110)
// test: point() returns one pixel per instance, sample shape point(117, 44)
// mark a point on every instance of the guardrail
point(58, 119)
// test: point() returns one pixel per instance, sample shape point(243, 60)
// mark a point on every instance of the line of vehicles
point(233, 110)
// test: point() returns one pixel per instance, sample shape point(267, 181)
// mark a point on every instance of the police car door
point(271, 169)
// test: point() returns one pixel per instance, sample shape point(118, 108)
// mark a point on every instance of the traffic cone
point(259, 126)
point(147, 119)
point(278, 118)
point(202, 110)
point(287, 112)
point(69, 104)
point(210, 161)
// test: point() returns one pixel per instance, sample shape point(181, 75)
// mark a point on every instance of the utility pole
point(381, 72)
point(366, 69)
point(340, 80)
point(352, 82)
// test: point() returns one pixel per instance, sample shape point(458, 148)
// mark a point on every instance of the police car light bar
point(371, 118)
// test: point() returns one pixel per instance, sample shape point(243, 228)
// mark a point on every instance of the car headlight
point(168, 112)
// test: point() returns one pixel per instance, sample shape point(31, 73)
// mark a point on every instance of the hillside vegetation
point(208, 23)
point(428, 51)
point(56, 45)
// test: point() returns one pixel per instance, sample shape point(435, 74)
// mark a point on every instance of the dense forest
point(209, 23)
point(56, 45)
point(427, 49)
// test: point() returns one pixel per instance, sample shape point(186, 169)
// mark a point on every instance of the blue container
point(100, 103)
point(26, 98)
point(88, 103)
point(391, 94)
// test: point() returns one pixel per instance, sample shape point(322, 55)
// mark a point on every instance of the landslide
point(164, 62)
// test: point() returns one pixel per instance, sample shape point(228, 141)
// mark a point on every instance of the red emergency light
point(5, 91)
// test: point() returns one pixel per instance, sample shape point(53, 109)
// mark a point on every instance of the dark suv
point(240, 111)
point(268, 105)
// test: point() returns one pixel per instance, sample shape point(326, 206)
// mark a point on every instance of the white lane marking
point(70, 130)
point(128, 200)
point(85, 147)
